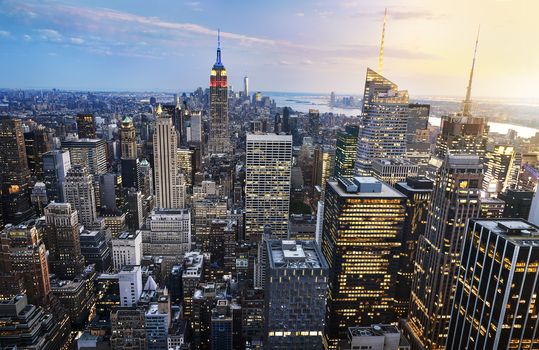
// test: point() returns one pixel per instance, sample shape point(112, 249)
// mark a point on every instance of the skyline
point(315, 47)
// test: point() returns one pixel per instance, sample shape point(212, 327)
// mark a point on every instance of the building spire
point(467, 104)
point(381, 57)
point(218, 60)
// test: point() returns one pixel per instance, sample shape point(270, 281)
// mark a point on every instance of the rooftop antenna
point(467, 104)
point(381, 57)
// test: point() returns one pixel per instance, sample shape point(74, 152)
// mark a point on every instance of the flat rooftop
point(290, 254)
point(386, 191)
point(518, 231)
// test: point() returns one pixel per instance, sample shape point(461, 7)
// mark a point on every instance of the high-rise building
point(222, 323)
point(267, 184)
point(246, 86)
point(127, 328)
point(462, 135)
point(168, 235)
point(130, 283)
point(135, 210)
point(126, 250)
point(498, 166)
point(56, 164)
point(86, 128)
point(192, 275)
point(145, 179)
point(112, 193)
point(204, 211)
point(165, 144)
point(323, 163)
point(156, 323)
point(375, 337)
point(94, 246)
point(384, 122)
point(418, 119)
point(63, 240)
point(295, 293)
point(218, 140)
point(517, 203)
point(91, 153)
point(362, 238)
point(491, 208)
point(393, 171)
point(23, 264)
point(534, 210)
point(345, 152)
point(79, 191)
point(418, 192)
point(14, 173)
point(37, 142)
point(496, 290)
point(313, 127)
point(128, 148)
point(196, 127)
point(455, 199)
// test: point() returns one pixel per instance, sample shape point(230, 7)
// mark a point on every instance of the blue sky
point(309, 46)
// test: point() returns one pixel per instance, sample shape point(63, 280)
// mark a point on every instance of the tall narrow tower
point(467, 103)
point(219, 141)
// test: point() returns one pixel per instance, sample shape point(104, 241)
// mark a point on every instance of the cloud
point(50, 35)
point(300, 14)
point(26, 37)
point(194, 5)
point(284, 63)
point(4, 34)
point(77, 41)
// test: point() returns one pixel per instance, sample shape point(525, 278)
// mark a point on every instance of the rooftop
point(363, 187)
point(518, 231)
point(289, 254)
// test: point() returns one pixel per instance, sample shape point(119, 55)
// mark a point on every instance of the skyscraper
point(245, 86)
point(534, 210)
point(91, 153)
point(323, 164)
point(418, 119)
point(384, 122)
point(14, 173)
point(499, 163)
point(362, 235)
point(219, 140)
point(86, 126)
point(295, 295)
point(56, 164)
point(63, 240)
point(128, 147)
point(79, 191)
point(345, 153)
point(37, 143)
point(462, 134)
point(496, 290)
point(267, 184)
point(165, 144)
point(455, 199)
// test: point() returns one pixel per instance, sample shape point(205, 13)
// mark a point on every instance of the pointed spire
point(218, 60)
point(381, 57)
point(159, 110)
point(467, 104)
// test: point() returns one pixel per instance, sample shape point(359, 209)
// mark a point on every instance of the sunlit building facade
point(345, 152)
point(362, 238)
point(498, 165)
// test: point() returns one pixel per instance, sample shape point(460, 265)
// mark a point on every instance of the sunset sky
point(301, 46)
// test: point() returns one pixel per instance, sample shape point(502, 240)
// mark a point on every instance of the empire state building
point(219, 140)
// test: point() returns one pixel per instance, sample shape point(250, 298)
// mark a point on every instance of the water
point(302, 102)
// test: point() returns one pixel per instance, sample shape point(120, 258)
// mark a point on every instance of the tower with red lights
point(219, 140)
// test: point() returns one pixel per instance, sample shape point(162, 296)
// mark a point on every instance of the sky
point(296, 46)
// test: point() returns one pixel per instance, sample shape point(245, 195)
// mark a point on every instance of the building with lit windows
point(462, 134)
point(267, 184)
point(498, 166)
point(86, 128)
point(361, 242)
point(384, 122)
point(91, 153)
point(392, 171)
point(79, 191)
point(455, 199)
point(345, 152)
point(128, 153)
point(296, 287)
point(56, 164)
point(496, 290)
point(218, 140)
point(323, 164)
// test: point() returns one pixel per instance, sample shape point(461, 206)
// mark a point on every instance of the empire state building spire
point(467, 104)
point(218, 63)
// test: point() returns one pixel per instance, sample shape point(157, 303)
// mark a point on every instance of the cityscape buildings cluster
point(218, 220)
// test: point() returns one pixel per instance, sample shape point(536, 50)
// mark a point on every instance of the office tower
point(196, 127)
point(246, 86)
point(126, 250)
point(14, 173)
point(23, 264)
point(499, 163)
point(129, 160)
point(114, 222)
point(222, 323)
point(37, 142)
point(345, 152)
point(156, 323)
point(286, 120)
point(56, 164)
point(296, 292)
point(112, 193)
point(127, 328)
point(517, 203)
point(418, 119)
point(332, 99)
point(204, 211)
point(165, 144)
point(86, 126)
point(135, 210)
point(496, 290)
point(94, 247)
point(185, 165)
point(375, 337)
point(393, 171)
point(63, 240)
point(324, 163)
point(91, 153)
point(418, 192)
point(192, 275)
point(313, 127)
point(491, 208)
point(218, 139)
point(455, 199)
point(130, 282)
point(534, 210)
point(38, 197)
point(79, 191)
point(362, 235)
point(462, 135)
point(267, 184)
point(169, 235)
point(27, 326)
point(222, 247)
point(145, 179)
point(384, 122)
